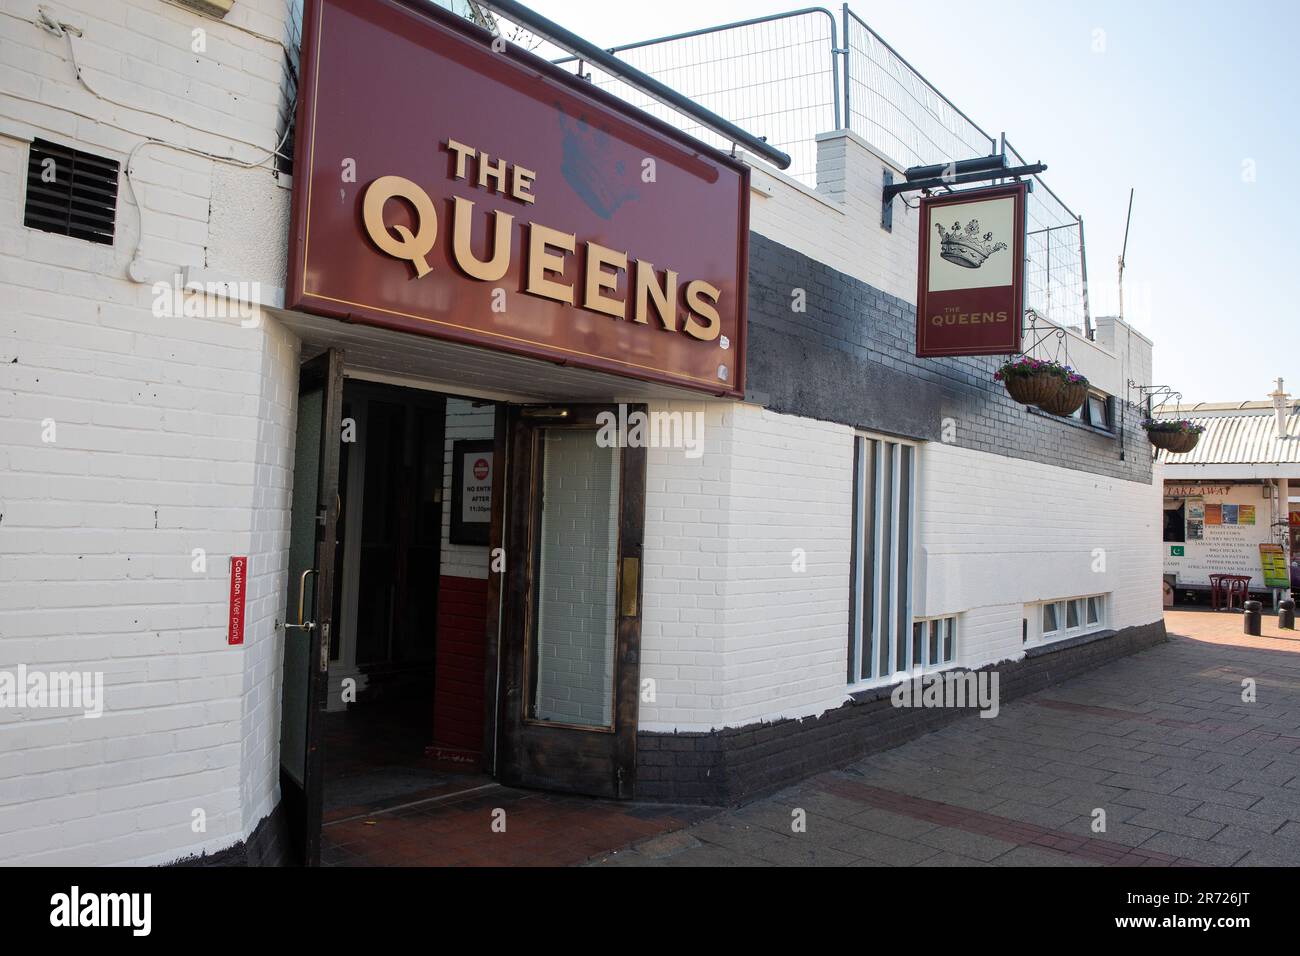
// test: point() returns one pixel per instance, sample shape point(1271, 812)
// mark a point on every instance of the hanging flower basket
point(1173, 435)
point(1051, 386)
point(1069, 397)
point(1033, 388)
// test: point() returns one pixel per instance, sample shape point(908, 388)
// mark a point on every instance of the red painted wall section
point(458, 683)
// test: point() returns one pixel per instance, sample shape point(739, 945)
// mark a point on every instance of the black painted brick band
point(267, 845)
point(730, 766)
point(850, 358)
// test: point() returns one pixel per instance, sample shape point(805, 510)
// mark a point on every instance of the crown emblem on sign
point(966, 247)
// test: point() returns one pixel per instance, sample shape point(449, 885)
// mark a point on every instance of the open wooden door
point(571, 634)
point(309, 615)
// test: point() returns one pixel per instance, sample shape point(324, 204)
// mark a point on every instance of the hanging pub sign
point(449, 184)
point(970, 274)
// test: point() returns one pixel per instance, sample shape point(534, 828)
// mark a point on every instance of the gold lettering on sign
point(412, 246)
point(541, 239)
point(701, 297)
point(494, 171)
point(664, 298)
point(463, 153)
point(598, 280)
point(522, 183)
point(462, 235)
point(548, 251)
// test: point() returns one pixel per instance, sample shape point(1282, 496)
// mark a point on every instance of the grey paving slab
point(1174, 823)
point(1190, 848)
point(1249, 819)
point(1160, 740)
point(1213, 795)
point(1038, 856)
point(962, 843)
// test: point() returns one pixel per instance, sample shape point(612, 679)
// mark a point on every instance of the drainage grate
point(70, 192)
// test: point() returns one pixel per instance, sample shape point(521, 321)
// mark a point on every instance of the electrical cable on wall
point(60, 28)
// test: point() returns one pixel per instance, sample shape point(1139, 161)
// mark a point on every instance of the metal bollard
point(1286, 615)
point(1251, 622)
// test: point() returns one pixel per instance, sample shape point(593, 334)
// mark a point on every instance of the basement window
point(934, 642)
point(70, 192)
point(1071, 617)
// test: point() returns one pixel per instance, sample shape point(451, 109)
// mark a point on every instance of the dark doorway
point(392, 661)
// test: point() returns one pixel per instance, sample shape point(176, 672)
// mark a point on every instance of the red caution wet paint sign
point(238, 589)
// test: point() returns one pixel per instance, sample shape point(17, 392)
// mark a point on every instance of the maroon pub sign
point(451, 186)
point(970, 274)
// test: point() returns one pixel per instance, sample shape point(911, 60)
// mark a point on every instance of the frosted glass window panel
point(575, 580)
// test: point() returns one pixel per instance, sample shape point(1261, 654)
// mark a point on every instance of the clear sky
point(1194, 104)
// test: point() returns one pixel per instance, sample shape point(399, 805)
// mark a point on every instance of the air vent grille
point(71, 193)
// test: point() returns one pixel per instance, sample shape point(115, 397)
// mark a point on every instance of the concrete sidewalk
point(1161, 743)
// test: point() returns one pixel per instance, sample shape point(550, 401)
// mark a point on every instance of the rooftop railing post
point(836, 51)
point(848, 49)
point(1083, 268)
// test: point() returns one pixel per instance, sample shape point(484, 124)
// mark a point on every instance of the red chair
point(1238, 587)
point(1218, 589)
point(1228, 590)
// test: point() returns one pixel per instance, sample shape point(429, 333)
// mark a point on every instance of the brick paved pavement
point(1186, 772)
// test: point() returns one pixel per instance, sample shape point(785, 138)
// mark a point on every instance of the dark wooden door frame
point(496, 579)
point(304, 806)
point(596, 761)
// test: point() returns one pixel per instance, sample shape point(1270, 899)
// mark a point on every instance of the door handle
point(307, 626)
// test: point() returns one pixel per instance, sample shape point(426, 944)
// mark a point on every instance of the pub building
point(515, 437)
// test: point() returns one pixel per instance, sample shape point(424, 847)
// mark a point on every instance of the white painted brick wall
point(731, 635)
point(839, 222)
point(172, 434)
point(1000, 533)
point(464, 422)
point(730, 632)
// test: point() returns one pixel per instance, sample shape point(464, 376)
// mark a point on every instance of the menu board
point(1273, 560)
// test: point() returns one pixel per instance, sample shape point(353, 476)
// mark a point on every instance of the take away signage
point(450, 188)
point(970, 276)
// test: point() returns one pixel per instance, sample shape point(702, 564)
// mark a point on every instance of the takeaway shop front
point(1224, 527)
point(489, 261)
